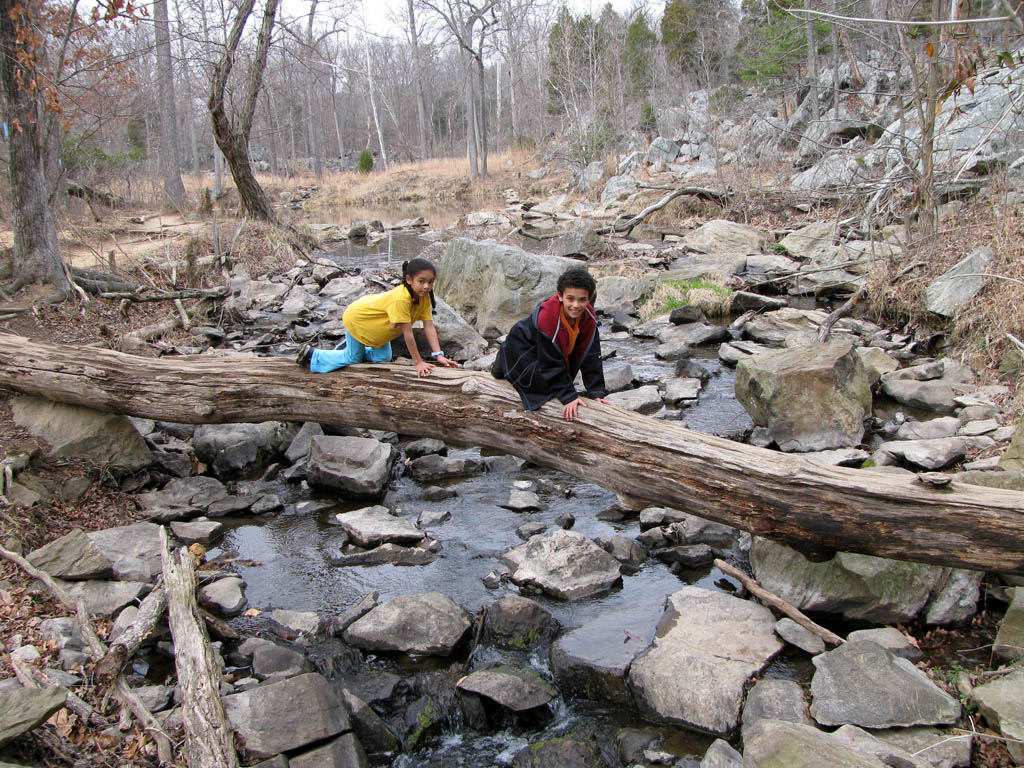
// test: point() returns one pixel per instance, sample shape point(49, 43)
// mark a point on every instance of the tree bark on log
point(784, 497)
point(209, 740)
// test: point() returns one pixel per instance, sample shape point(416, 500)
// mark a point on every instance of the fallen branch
point(209, 739)
point(121, 650)
point(775, 601)
point(718, 197)
point(32, 677)
point(190, 293)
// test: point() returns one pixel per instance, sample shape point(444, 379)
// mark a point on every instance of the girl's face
point(422, 283)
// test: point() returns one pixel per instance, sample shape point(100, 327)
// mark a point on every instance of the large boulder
point(428, 624)
point(715, 643)
point(356, 467)
point(76, 432)
point(275, 717)
point(858, 587)
point(810, 398)
point(232, 450)
point(493, 286)
point(861, 683)
point(563, 564)
point(723, 236)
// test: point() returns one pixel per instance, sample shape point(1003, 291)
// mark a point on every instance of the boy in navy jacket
point(543, 353)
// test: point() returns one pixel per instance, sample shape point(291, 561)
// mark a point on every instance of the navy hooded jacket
point(534, 361)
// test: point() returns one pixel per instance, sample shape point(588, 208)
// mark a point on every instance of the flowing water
point(285, 560)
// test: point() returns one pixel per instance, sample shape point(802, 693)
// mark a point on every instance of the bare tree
point(233, 136)
point(174, 190)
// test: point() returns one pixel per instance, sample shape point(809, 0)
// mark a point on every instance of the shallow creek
point(285, 561)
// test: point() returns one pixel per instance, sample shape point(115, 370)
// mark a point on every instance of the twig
point(72, 283)
point(476, 639)
point(774, 600)
point(186, 323)
point(1015, 340)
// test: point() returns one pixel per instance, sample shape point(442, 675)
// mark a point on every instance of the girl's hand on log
point(446, 362)
point(423, 368)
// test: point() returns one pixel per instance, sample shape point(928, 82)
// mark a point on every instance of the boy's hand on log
point(571, 410)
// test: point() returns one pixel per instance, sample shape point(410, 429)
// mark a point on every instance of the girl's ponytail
point(412, 268)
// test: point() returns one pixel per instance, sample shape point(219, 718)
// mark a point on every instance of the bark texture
point(784, 497)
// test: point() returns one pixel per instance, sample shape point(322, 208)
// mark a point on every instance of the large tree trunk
point(174, 190)
point(36, 255)
point(233, 138)
point(807, 505)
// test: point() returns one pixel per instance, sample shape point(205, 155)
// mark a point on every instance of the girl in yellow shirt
point(371, 322)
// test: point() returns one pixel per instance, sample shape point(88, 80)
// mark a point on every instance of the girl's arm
point(430, 331)
point(423, 368)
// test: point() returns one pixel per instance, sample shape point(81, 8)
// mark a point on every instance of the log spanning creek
point(287, 560)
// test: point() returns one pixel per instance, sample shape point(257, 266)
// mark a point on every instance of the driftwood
point(121, 650)
point(189, 293)
point(707, 194)
point(209, 741)
point(93, 195)
point(775, 601)
point(785, 497)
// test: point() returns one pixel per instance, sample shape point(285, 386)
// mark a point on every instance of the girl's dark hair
point(412, 268)
point(577, 278)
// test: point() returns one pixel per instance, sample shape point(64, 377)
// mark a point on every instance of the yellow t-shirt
point(376, 319)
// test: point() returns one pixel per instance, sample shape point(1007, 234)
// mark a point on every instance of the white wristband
point(439, 353)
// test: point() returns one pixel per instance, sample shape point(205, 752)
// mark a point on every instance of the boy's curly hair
point(577, 278)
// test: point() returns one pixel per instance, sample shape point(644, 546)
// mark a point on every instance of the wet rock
point(862, 684)
point(385, 554)
point(717, 643)
point(859, 587)
point(563, 564)
point(298, 449)
point(203, 531)
point(957, 286)
point(624, 549)
point(424, 447)
point(424, 719)
point(774, 743)
point(559, 753)
point(466, 280)
point(796, 635)
point(565, 520)
point(183, 498)
point(224, 596)
point(285, 715)
point(306, 623)
point(23, 709)
point(428, 624)
point(592, 661)
point(374, 734)
point(730, 354)
point(231, 450)
point(430, 518)
point(512, 687)
point(73, 556)
point(338, 624)
point(274, 661)
point(373, 526)
point(679, 391)
point(343, 752)
point(810, 398)
point(437, 493)
point(77, 432)
point(721, 755)
point(268, 502)
point(522, 501)
point(774, 700)
point(356, 467)
point(527, 530)
point(104, 598)
point(645, 399)
point(518, 622)
point(722, 236)
point(431, 468)
point(688, 556)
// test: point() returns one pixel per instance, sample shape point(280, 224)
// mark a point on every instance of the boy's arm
point(551, 369)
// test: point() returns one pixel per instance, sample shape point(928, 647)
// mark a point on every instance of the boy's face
point(574, 301)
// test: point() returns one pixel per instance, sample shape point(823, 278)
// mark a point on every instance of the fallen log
point(784, 497)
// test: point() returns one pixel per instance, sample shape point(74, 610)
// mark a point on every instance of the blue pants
point(326, 360)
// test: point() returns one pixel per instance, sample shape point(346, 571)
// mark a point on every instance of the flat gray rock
point(954, 288)
point(224, 596)
point(345, 751)
point(285, 715)
point(522, 501)
point(943, 426)
point(202, 531)
point(860, 683)
point(646, 399)
point(715, 642)
point(356, 467)
point(428, 624)
point(934, 747)
point(796, 635)
point(373, 526)
point(511, 687)
point(775, 700)
point(138, 540)
point(1001, 703)
point(431, 468)
point(774, 744)
point(104, 598)
point(23, 709)
point(73, 556)
point(563, 564)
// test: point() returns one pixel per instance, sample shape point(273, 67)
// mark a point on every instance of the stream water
point(285, 560)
